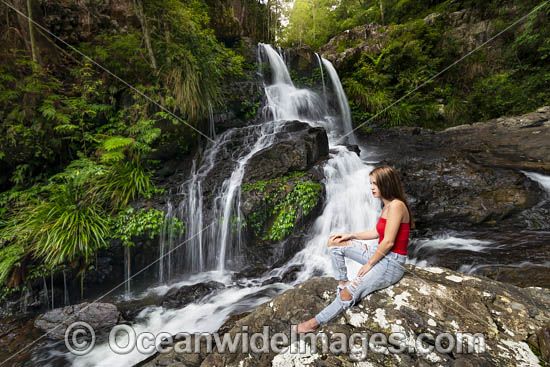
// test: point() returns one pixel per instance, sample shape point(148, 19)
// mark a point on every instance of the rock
point(101, 316)
point(298, 147)
point(131, 309)
point(370, 39)
point(430, 300)
point(15, 332)
point(271, 175)
point(543, 336)
point(468, 176)
point(179, 297)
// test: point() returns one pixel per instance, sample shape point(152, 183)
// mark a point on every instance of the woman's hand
point(341, 237)
point(364, 270)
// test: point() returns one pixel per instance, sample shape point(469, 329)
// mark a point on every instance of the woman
point(382, 265)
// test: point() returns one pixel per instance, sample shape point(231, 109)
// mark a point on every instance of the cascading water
point(208, 255)
point(65, 291)
point(342, 101)
point(320, 63)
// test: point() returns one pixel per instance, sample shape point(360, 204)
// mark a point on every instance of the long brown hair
point(389, 184)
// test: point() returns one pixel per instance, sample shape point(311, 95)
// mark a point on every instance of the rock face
point(298, 147)
point(469, 176)
point(511, 320)
point(101, 316)
point(282, 192)
point(179, 297)
point(345, 49)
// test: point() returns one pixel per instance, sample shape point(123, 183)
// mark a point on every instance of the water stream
point(210, 199)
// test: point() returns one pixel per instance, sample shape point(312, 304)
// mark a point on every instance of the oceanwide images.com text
point(80, 339)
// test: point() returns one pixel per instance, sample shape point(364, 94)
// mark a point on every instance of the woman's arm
point(370, 234)
point(365, 235)
point(396, 211)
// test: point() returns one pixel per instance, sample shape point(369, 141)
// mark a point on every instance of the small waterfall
point(166, 245)
point(323, 80)
point(25, 302)
point(342, 101)
point(284, 100)
point(65, 291)
point(211, 127)
point(51, 286)
point(45, 291)
point(127, 271)
point(542, 180)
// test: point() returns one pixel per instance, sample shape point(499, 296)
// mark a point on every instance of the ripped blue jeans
point(387, 271)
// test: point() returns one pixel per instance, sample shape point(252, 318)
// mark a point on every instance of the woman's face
point(374, 187)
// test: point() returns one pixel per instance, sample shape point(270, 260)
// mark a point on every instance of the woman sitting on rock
point(382, 265)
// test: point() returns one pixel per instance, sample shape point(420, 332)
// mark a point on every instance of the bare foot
point(307, 326)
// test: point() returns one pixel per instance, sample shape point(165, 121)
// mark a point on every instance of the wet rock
point(298, 147)
point(15, 332)
point(101, 316)
point(289, 275)
point(431, 300)
point(469, 176)
point(179, 297)
point(131, 309)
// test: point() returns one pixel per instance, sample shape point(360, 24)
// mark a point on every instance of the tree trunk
point(31, 34)
point(146, 34)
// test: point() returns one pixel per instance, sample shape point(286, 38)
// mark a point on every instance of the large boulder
point(470, 176)
point(296, 148)
point(100, 316)
point(511, 320)
point(282, 192)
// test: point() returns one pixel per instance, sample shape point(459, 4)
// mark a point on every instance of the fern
point(117, 143)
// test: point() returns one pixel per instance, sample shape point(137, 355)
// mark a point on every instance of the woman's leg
point(382, 274)
point(339, 253)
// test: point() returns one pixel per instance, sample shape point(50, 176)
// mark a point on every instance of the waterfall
point(204, 202)
point(342, 101)
point(51, 286)
point(65, 291)
point(284, 100)
point(542, 180)
point(166, 245)
point(210, 198)
point(127, 271)
point(323, 80)
point(47, 298)
point(211, 128)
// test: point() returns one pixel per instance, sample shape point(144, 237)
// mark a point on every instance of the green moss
point(283, 199)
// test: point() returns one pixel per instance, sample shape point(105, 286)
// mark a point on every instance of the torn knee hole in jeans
point(346, 294)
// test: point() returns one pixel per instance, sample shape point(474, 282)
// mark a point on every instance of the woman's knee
point(345, 297)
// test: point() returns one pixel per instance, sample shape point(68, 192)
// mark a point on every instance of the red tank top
point(401, 240)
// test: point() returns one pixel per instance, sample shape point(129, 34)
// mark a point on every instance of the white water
point(349, 207)
point(342, 102)
point(542, 180)
point(425, 252)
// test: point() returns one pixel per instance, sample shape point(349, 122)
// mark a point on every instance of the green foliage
point(508, 77)
point(131, 223)
point(304, 196)
point(283, 197)
point(10, 257)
